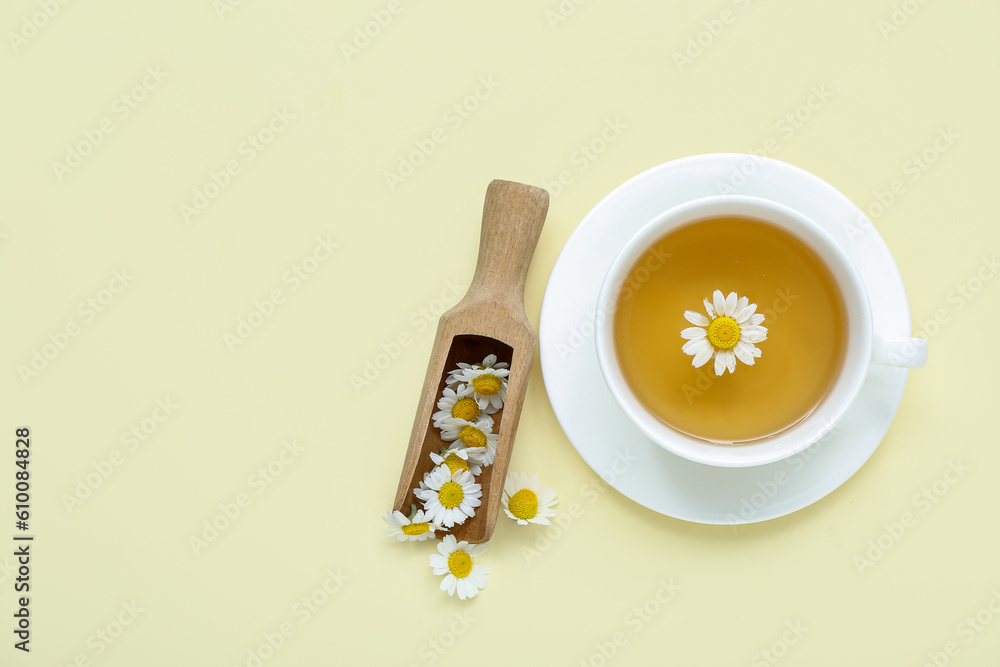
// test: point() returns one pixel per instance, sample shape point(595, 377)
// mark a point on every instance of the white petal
point(730, 361)
point(730, 304)
point(477, 579)
point(693, 333)
point(695, 346)
point(703, 356)
point(742, 303)
point(756, 319)
point(719, 302)
point(720, 363)
point(754, 336)
point(756, 351)
point(696, 318)
point(709, 309)
point(743, 314)
point(744, 352)
point(466, 589)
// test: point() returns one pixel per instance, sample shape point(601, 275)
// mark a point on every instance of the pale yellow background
point(324, 175)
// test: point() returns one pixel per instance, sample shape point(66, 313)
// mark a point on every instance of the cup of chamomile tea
point(734, 331)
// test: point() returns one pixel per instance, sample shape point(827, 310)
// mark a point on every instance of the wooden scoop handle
point(513, 216)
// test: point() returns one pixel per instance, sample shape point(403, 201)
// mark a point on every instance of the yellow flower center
point(456, 462)
point(451, 494)
point(523, 504)
point(415, 529)
point(460, 564)
point(465, 408)
point(472, 437)
point(487, 384)
point(724, 333)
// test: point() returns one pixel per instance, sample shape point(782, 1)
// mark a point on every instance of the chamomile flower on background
point(488, 383)
point(460, 458)
point(449, 498)
point(459, 403)
point(526, 501)
point(416, 528)
point(730, 332)
point(454, 561)
point(472, 435)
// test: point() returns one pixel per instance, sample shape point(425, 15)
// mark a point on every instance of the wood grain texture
point(490, 319)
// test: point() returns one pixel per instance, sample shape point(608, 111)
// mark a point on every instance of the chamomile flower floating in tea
point(460, 458)
point(526, 501)
point(454, 561)
point(449, 498)
point(488, 383)
point(472, 435)
point(416, 528)
point(459, 403)
point(729, 333)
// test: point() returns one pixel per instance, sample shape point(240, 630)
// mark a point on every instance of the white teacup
point(864, 345)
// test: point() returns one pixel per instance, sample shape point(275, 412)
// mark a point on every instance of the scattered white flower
point(526, 501)
point(415, 529)
point(729, 333)
point(459, 403)
point(474, 435)
point(454, 561)
point(449, 498)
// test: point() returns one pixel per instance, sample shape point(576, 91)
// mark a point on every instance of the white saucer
point(613, 446)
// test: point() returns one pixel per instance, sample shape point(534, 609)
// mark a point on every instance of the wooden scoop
point(490, 319)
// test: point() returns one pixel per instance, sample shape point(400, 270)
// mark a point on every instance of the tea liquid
point(803, 311)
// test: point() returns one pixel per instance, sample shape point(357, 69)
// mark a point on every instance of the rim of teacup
point(812, 427)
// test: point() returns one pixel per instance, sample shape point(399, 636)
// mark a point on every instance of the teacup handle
point(899, 352)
